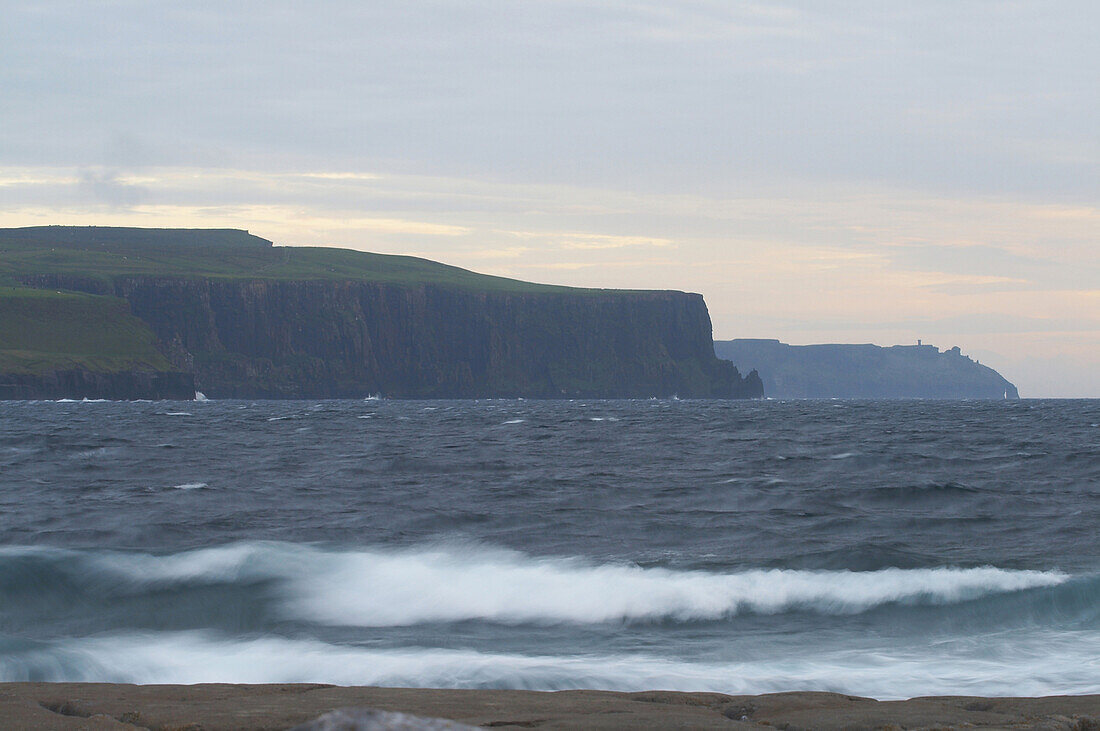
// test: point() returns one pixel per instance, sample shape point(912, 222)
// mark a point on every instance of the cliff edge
point(253, 320)
point(865, 371)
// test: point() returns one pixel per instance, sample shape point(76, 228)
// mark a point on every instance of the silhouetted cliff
point(277, 322)
point(865, 371)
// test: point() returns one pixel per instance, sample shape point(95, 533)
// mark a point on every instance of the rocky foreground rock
point(216, 707)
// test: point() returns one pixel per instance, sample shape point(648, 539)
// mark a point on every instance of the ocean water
point(887, 549)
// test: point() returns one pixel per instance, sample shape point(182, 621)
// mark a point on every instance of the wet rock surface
point(216, 707)
point(370, 719)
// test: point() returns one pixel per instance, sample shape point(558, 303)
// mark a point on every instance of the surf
point(375, 587)
point(1035, 664)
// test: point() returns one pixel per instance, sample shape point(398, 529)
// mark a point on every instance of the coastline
point(214, 707)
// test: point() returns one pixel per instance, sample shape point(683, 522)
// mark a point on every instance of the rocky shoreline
point(213, 707)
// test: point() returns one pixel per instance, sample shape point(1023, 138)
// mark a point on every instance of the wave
point(450, 583)
point(1040, 664)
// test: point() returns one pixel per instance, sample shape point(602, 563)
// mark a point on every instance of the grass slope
point(43, 331)
point(104, 252)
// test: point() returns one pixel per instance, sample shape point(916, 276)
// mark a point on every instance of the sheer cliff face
point(275, 338)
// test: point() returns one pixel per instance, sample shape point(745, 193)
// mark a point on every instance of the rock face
point(278, 338)
point(80, 383)
point(865, 371)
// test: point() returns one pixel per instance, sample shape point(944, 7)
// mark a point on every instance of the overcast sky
point(821, 171)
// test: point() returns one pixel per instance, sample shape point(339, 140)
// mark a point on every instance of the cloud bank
point(819, 171)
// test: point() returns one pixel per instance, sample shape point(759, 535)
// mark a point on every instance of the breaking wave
point(449, 583)
point(1039, 664)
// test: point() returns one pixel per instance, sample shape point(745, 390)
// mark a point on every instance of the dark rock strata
point(79, 383)
point(259, 338)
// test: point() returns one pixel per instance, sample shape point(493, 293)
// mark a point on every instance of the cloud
point(666, 95)
point(589, 241)
point(338, 176)
point(24, 179)
point(383, 225)
point(795, 161)
point(106, 186)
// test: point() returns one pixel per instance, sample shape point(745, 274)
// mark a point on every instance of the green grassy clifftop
point(46, 330)
point(73, 345)
point(100, 253)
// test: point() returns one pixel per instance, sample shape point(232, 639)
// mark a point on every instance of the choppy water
point(881, 548)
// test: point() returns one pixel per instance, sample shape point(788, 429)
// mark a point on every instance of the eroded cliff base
point(85, 384)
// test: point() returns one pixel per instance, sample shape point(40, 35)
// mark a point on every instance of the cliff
point(865, 371)
point(251, 320)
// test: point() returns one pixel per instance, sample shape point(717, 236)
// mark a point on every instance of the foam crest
point(233, 563)
point(379, 589)
point(224, 564)
point(465, 582)
point(1040, 664)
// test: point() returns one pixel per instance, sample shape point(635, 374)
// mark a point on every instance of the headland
point(865, 371)
point(160, 313)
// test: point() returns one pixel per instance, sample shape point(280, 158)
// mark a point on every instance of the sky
point(819, 170)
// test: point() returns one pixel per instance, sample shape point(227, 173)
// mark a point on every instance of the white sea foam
point(1039, 663)
point(232, 563)
point(456, 582)
point(389, 589)
point(191, 486)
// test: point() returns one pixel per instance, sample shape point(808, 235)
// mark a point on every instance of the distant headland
point(129, 313)
point(865, 371)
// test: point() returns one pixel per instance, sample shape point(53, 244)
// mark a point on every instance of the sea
point(879, 548)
